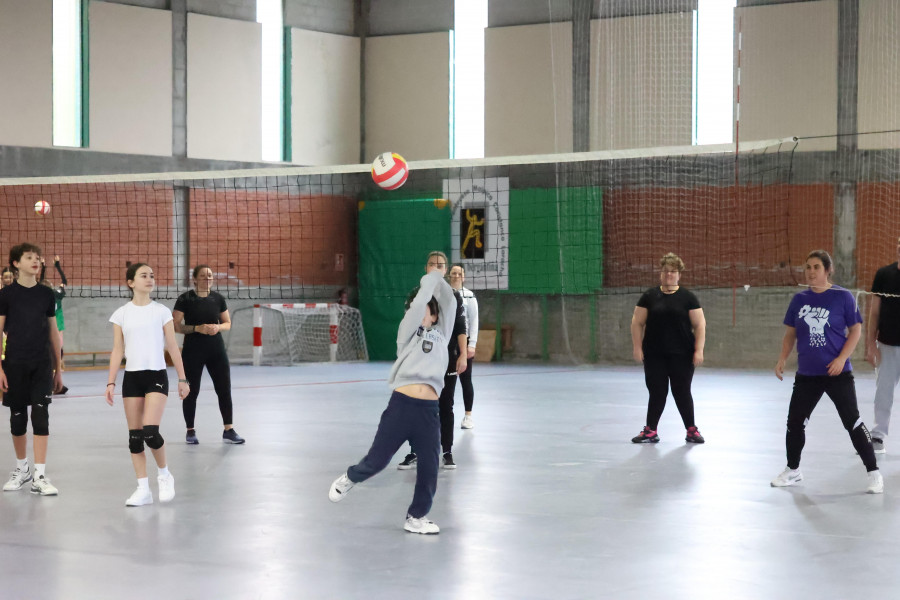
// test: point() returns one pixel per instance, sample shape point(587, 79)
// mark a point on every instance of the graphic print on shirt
point(430, 337)
point(817, 318)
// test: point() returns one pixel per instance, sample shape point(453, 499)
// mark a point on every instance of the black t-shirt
point(26, 311)
point(201, 311)
point(668, 329)
point(887, 281)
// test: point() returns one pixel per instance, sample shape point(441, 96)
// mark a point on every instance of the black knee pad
point(40, 419)
point(152, 437)
point(18, 422)
point(135, 441)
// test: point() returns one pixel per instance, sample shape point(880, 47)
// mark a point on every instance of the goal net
point(286, 334)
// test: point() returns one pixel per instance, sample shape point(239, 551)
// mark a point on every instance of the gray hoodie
point(422, 354)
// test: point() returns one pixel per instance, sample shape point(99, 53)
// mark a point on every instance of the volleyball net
point(538, 236)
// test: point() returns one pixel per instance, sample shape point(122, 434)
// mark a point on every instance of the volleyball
point(389, 170)
point(42, 207)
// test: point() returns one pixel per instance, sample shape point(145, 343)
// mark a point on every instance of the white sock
point(22, 464)
point(39, 470)
point(164, 471)
point(144, 484)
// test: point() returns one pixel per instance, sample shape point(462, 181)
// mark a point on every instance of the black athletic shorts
point(137, 384)
point(29, 383)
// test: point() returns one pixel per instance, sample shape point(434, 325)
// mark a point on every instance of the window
point(269, 14)
point(713, 79)
point(467, 79)
point(69, 128)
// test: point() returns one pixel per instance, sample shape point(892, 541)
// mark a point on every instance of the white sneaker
point(140, 497)
point(339, 488)
point(423, 525)
point(876, 482)
point(467, 422)
point(787, 477)
point(878, 445)
point(166, 488)
point(17, 479)
point(42, 486)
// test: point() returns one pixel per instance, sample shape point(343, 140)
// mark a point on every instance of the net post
point(334, 318)
point(257, 335)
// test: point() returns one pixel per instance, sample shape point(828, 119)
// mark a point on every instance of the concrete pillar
point(363, 9)
point(179, 76)
point(847, 144)
point(581, 74)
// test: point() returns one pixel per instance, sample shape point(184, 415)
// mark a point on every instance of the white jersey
point(142, 327)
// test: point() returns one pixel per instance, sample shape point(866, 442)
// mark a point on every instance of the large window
point(714, 63)
point(467, 79)
point(269, 14)
point(68, 126)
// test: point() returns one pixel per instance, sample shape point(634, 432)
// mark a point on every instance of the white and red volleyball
point(42, 207)
point(389, 170)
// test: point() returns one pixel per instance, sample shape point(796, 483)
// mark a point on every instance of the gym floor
point(550, 499)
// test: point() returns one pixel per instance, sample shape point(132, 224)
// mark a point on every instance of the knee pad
point(40, 419)
point(152, 437)
point(135, 441)
point(18, 422)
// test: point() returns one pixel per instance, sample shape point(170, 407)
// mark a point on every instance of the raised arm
point(416, 312)
point(62, 276)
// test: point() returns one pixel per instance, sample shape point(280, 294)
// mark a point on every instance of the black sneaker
point(62, 391)
point(408, 463)
point(191, 438)
point(448, 461)
point(230, 436)
point(646, 436)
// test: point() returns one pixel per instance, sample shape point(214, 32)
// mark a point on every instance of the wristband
point(182, 381)
point(109, 384)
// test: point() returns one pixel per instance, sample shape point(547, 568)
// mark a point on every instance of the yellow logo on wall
point(472, 232)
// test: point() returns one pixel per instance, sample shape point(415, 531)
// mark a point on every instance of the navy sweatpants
point(418, 422)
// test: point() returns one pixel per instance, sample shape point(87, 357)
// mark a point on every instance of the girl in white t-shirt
point(142, 330)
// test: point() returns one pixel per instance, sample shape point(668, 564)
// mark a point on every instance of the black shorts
point(137, 384)
point(29, 383)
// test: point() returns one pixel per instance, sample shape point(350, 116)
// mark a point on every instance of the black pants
point(411, 419)
point(808, 390)
point(659, 371)
point(445, 400)
point(466, 380)
point(216, 363)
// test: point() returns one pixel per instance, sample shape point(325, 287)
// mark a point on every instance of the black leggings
point(659, 370)
point(216, 363)
point(808, 390)
point(466, 380)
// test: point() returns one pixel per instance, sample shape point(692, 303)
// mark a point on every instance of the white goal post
point(285, 334)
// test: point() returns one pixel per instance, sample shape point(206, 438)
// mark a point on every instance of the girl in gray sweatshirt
point(416, 379)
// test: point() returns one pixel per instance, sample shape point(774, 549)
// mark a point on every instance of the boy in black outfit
point(30, 371)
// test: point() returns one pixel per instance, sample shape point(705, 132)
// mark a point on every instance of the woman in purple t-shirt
point(825, 324)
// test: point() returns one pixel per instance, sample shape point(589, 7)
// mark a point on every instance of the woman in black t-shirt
point(200, 315)
point(668, 332)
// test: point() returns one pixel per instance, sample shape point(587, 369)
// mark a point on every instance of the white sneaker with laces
point(423, 525)
point(17, 479)
point(42, 486)
point(787, 477)
point(140, 497)
point(876, 482)
point(339, 488)
point(166, 488)
point(467, 422)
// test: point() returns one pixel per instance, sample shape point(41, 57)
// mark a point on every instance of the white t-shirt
point(142, 327)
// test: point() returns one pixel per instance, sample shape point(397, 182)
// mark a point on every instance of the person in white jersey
point(142, 330)
point(470, 304)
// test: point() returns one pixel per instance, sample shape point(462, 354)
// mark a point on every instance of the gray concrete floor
point(550, 499)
